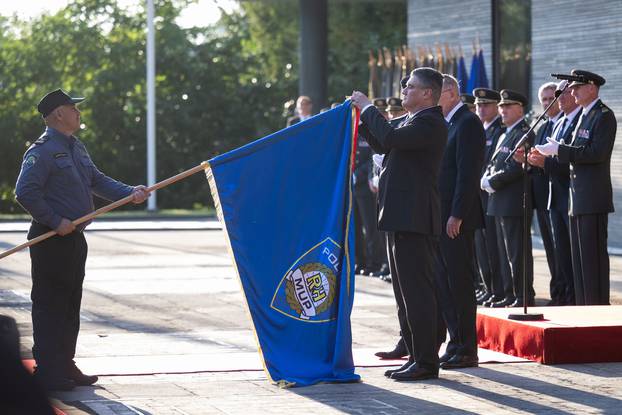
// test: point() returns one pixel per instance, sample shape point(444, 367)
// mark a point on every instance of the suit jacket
point(461, 168)
point(362, 167)
point(506, 178)
point(408, 197)
point(539, 177)
point(559, 178)
point(493, 132)
point(589, 156)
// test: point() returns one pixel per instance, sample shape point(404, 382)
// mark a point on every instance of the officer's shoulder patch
point(30, 160)
point(42, 140)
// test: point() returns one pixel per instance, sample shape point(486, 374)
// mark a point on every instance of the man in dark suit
point(409, 211)
point(370, 252)
point(540, 188)
point(589, 155)
point(504, 183)
point(304, 110)
point(461, 214)
point(559, 184)
point(497, 282)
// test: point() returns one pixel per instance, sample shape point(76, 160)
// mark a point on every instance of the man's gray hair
point(430, 78)
point(450, 82)
point(548, 85)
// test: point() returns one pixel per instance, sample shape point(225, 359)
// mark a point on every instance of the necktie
point(559, 136)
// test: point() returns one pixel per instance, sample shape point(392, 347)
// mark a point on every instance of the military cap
point(509, 97)
point(587, 78)
point(380, 103)
point(467, 99)
point(486, 96)
point(394, 104)
point(55, 99)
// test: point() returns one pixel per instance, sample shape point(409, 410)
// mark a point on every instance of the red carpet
point(579, 334)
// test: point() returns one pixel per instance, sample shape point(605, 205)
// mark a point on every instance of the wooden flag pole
point(203, 166)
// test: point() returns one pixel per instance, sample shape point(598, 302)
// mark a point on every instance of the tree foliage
point(218, 86)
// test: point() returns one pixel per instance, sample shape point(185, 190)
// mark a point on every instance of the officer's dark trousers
point(511, 237)
point(546, 232)
point(488, 254)
point(590, 260)
point(456, 294)
point(563, 258)
point(505, 266)
point(373, 250)
point(412, 261)
point(481, 259)
point(57, 276)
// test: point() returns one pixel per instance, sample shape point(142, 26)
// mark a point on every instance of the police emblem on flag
point(307, 290)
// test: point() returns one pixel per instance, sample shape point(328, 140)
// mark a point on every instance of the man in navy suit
point(461, 214)
point(409, 211)
point(559, 184)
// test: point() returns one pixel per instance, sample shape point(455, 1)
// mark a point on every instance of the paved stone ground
point(172, 296)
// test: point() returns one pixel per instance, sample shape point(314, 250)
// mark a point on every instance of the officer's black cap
point(380, 103)
point(394, 104)
point(467, 99)
point(486, 96)
point(587, 78)
point(55, 99)
point(509, 97)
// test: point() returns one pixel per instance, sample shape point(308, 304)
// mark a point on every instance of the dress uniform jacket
point(493, 132)
point(539, 177)
point(506, 178)
point(589, 156)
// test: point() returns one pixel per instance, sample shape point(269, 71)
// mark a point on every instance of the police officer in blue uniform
point(55, 185)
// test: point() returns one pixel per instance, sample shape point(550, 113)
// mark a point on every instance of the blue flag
point(482, 78)
point(286, 205)
point(463, 78)
point(473, 75)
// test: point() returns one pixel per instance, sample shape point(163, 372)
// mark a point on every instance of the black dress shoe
point(491, 300)
point(80, 378)
point(445, 357)
point(414, 372)
point(397, 353)
point(460, 361)
point(55, 383)
point(481, 300)
point(503, 303)
point(405, 366)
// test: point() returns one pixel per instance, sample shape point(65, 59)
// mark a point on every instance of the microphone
point(572, 78)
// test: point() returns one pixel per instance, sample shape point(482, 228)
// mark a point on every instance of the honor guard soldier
point(591, 200)
point(496, 288)
point(504, 183)
point(394, 108)
point(55, 185)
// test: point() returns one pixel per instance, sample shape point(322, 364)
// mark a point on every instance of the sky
point(201, 13)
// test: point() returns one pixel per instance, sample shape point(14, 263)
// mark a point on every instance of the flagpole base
point(526, 316)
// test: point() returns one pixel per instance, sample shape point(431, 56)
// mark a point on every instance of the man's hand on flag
point(360, 100)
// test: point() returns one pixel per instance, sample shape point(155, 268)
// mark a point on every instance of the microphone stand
point(525, 316)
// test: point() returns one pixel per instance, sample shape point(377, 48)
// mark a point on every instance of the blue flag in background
point(473, 75)
point(483, 78)
point(286, 205)
point(463, 78)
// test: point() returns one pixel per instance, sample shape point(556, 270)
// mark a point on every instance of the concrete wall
point(454, 22)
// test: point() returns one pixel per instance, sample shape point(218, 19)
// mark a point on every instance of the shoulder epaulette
point(42, 140)
point(605, 109)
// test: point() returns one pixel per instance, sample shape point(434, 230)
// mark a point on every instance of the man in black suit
point(591, 201)
point(461, 214)
point(504, 183)
point(559, 184)
point(304, 110)
point(409, 211)
point(497, 282)
point(370, 252)
point(540, 189)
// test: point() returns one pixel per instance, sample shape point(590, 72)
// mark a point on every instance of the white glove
point(375, 180)
point(378, 159)
point(484, 184)
point(550, 148)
